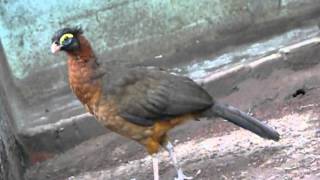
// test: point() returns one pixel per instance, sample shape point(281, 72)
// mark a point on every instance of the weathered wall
point(168, 33)
point(132, 30)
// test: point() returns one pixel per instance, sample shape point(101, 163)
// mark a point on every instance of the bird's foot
point(182, 176)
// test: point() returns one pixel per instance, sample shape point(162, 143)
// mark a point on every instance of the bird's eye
point(66, 39)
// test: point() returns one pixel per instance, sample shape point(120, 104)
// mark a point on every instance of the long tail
point(243, 120)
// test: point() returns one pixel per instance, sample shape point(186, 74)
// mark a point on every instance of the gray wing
point(146, 96)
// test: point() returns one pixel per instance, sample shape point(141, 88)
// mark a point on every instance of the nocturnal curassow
point(141, 103)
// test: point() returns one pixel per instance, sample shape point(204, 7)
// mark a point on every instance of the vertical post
point(12, 152)
point(12, 99)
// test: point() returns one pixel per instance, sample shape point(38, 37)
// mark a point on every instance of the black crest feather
point(73, 30)
point(77, 30)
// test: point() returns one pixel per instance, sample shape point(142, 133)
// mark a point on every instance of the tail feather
point(243, 120)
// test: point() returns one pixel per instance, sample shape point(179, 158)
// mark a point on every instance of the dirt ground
point(209, 150)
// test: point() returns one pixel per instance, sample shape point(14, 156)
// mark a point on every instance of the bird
point(142, 103)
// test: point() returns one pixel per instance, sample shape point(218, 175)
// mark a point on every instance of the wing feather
point(147, 96)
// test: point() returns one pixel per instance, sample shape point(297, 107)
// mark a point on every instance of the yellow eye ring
point(65, 37)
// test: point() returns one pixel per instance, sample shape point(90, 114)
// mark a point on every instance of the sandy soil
point(239, 155)
point(290, 100)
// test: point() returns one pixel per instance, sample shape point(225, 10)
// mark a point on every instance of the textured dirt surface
point(238, 155)
point(290, 100)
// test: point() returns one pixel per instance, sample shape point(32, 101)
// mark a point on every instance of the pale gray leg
point(155, 164)
point(181, 176)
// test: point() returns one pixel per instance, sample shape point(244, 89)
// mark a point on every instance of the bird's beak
point(55, 48)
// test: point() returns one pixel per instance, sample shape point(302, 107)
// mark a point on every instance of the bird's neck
point(83, 69)
point(84, 54)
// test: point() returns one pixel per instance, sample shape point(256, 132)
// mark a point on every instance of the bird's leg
point(181, 175)
point(155, 164)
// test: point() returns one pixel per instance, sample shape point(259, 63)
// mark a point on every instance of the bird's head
point(66, 39)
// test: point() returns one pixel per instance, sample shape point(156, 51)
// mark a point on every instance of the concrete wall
point(129, 30)
point(168, 33)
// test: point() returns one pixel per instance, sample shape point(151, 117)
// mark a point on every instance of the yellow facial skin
point(65, 37)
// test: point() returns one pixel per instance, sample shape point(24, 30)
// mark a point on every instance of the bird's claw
point(182, 176)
